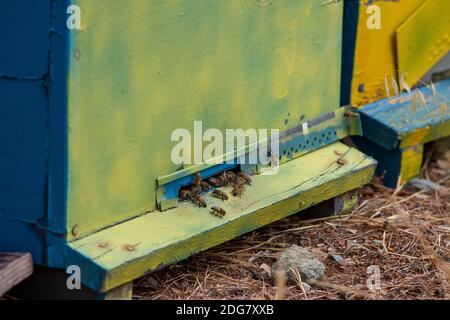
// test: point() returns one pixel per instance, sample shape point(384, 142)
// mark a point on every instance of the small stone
point(337, 258)
point(425, 184)
point(149, 283)
point(306, 286)
point(265, 268)
point(301, 259)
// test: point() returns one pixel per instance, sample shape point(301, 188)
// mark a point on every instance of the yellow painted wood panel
point(375, 52)
point(423, 39)
point(411, 163)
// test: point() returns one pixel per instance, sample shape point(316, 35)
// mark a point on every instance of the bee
point(205, 185)
point(218, 212)
point(247, 178)
point(238, 190)
point(197, 180)
point(195, 190)
point(184, 194)
point(240, 182)
point(231, 177)
point(223, 180)
point(350, 115)
point(214, 182)
point(197, 199)
point(220, 194)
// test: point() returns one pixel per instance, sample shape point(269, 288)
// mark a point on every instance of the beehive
point(381, 66)
point(88, 115)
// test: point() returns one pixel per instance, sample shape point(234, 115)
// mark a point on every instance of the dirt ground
point(404, 232)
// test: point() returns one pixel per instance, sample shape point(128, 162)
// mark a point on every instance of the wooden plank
point(14, 268)
point(340, 205)
point(375, 54)
point(421, 44)
point(119, 254)
point(411, 163)
point(24, 144)
point(407, 120)
point(24, 38)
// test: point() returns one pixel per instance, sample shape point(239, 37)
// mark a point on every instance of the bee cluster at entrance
point(237, 181)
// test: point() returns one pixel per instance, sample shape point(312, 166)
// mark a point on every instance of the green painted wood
point(140, 69)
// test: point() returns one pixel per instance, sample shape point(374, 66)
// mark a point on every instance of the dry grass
point(406, 232)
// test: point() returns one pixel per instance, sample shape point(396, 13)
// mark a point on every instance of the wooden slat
point(120, 254)
point(405, 121)
point(14, 268)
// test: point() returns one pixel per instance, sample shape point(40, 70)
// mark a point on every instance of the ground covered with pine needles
point(403, 232)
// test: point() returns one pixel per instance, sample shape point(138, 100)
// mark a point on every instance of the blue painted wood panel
point(33, 127)
point(58, 75)
point(351, 16)
point(387, 120)
point(23, 149)
point(24, 38)
point(389, 161)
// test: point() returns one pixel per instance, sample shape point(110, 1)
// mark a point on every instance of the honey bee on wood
point(198, 199)
point(195, 189)
point(220, 194)
point(184, 194)
point(245, 177)
point(350, 115)
point(214, 182)
point(223, 179)
point(231, 177)
point(238, 190)
point(205, 185)
point(239, 182)
point(197, 180)
point(218, 212)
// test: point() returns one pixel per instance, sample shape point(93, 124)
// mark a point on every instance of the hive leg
point(411, 162)
point(51, 284)
point(397, 164)
point(339, 205)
